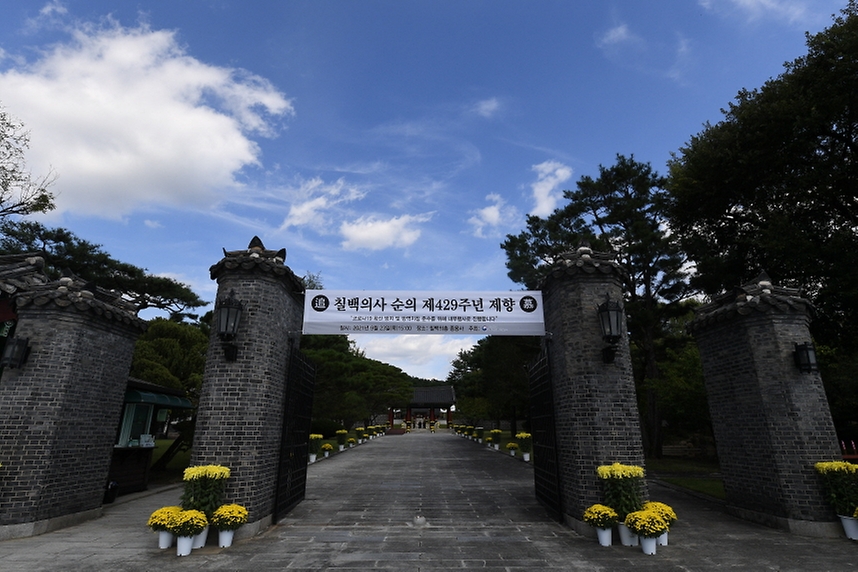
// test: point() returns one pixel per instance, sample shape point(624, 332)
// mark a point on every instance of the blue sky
point(385, 144)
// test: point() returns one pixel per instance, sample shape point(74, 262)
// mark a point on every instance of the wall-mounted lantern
point(805, 357)
point(228, 315)
point(611, 319)
point(15, 352)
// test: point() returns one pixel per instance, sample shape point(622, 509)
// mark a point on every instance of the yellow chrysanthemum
point(646, 523)
point(665, 511)
point(163, 517)
point(206, 472)
point(619, 471)
point(600, 516)
point(824, 467)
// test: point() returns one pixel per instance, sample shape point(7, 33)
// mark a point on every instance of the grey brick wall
point(59, 412)
point(596, 414)
point(239, 419)
point(771, 421)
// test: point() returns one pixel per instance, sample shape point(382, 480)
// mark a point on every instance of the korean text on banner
point(405, 312)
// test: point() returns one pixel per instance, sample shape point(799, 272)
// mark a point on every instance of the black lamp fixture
point(228, 315)
point(611, 319)
point(805, 357)
point(15, 352)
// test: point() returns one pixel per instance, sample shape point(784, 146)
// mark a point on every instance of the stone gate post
point(239, 419)
point(771, 420)
point(59, 410)
point(595, 410)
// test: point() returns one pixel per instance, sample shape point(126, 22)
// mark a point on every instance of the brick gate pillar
point(59, 410)
point(771, 420)
point(595, 410)
point(240, 413)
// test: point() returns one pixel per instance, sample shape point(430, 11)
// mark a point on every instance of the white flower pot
point(662, 540)
point(648, 545)
point(341, 447)
point(627, 537)
point(526, 457)
point(850, 527)
point(605, 536)
point(200, 539)
point(224, 538)
point(312, 457)
point(184, 544)
point(165, 539)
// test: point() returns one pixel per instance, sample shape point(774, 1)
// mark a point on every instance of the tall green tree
point(774, 185)
point(63, 250)
point(622, 211)
point(20, 193)
point(491, 381)
point(171, 354)
point(351, 388)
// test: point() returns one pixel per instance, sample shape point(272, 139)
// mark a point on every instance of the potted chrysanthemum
point(160, 521)
point(623, 486)
point(185, 526)
point(496, 438)
point(315, 445)
point(525, 442)
point(648, 525)
point(227, 519)
point(203, 491)
point(840, 487)
point(603, 518)
point(666, 512)
point(342, 434)
point(327, 448)
point(512, 447)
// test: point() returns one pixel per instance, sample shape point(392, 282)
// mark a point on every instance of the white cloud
point(53, 7)
point(152, 223)
point(427, 357)
point(371, 233)
point(793, 11)
point(127, 118)
point(323, 197)
point(683, 59)
point(488, 220)
point(617, 35)
point(546, 189)
point(488, 107)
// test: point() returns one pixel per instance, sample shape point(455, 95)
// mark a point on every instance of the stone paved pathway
point(479, 511)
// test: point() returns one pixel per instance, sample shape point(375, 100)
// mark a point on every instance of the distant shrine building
point(429, 404)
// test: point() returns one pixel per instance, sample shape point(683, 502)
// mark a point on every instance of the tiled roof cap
point(73, 292)
point(757, 296)
point(256, 258)
point(584, 260)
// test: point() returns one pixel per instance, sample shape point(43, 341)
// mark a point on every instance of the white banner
point(405, 312)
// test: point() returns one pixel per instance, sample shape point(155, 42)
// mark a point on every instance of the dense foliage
point(351, 388)
point(491, 381)
point(64, 251)
point(774, 186)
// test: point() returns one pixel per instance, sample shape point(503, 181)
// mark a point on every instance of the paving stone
point(481, 515)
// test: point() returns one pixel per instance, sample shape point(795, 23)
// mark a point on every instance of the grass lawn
point(697, 475)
